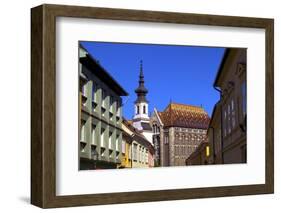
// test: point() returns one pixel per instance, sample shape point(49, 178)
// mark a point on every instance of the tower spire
point(141, 71)
point(141, 91)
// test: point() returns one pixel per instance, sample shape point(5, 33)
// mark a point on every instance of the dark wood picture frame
point(43, 105)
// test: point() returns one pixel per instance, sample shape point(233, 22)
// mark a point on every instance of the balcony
point(111, 116)
point(94, 105)
point(83, 98)
point(103, 110)
point(82, 146)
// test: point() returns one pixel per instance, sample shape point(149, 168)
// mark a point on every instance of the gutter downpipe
point(222, 142)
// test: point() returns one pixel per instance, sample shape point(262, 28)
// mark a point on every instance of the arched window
point(144, 110)
point(138, 110)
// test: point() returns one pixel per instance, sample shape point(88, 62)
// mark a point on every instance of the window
point(102, 150)
point(117, 142)
point(123, 146)
point(138, 110)
point(228, 119)
point(102, 137)
point(82, 136)
point(93, 134)
point(166, 139)
point(233, 113)
point(244, 101)
point(135, 149)
point(84, 89)
point(110, 153)
point(93, 151)
point(144, 109)
point(94, 92)
point(225, 123)
point(82, 147)
point(207, 151)
point(110, 140)
point(118, 107)
point(111, 103)
point(146, 155)
point(140, 158)
point(130, 153)
point(117, 155)
point(103, 97)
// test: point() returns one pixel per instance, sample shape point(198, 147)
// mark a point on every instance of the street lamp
point(95, 157)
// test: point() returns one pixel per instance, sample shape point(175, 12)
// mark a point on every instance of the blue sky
point(183, 74)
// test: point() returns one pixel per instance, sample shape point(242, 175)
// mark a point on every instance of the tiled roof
point(181, 115)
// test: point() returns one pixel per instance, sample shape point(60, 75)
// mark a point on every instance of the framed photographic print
point(136, 106)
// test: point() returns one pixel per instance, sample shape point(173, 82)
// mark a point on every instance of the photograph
point(151, 105)
point(184, 100)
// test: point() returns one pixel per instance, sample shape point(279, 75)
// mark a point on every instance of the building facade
point(231, 109)
point(100, 115)
point(127, 141)
point(143, 152)
point(157, 126)
point(141, 120)
point(178, 130)
point(215, 136)
point(136, 149)
point(201, 156)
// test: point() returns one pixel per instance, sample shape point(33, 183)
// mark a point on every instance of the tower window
point(138, 110)
point(144, 110)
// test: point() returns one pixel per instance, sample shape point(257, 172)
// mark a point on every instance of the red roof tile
point(187, 116)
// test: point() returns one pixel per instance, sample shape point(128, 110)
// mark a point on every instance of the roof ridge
point(186, 105)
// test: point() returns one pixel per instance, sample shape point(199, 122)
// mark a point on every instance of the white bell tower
point(141, 120)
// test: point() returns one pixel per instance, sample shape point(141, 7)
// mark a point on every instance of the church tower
point(141, 120)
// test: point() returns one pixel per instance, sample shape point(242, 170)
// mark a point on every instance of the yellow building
point(137, 152)
point(126, 159)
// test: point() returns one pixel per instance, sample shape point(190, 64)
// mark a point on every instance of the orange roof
point(182, 115)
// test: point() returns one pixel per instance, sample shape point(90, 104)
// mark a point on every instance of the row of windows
point(155, 128)
point(230, 112)
point(189, 142)
point(184, 150)
point(95, 154)
point(190, 130)
point(112, 144)
point(189, 136)
point(143, 109)
point(229, 117)
point(104, 95)
point(140, 154)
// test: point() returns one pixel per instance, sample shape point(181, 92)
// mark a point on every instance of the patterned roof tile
point(187, 116)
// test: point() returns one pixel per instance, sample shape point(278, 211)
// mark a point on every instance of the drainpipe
point(222, 142)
